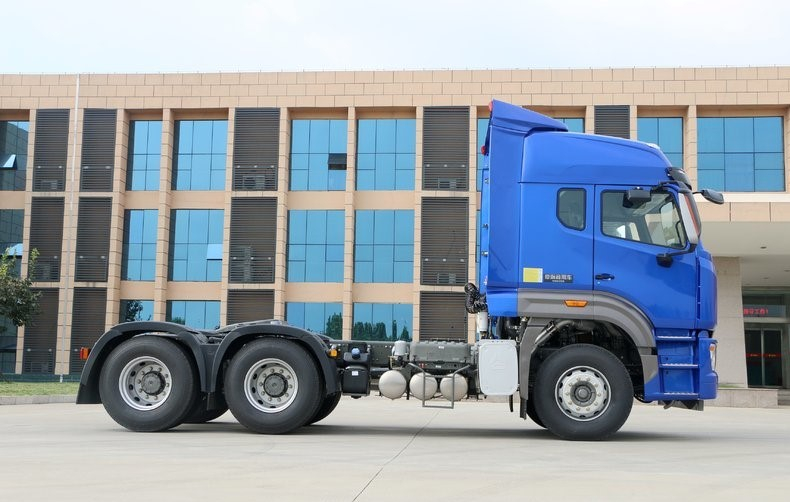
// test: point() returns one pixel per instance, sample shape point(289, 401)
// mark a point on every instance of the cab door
point(628, 238)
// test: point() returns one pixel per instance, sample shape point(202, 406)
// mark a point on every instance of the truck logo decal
point(563, 278)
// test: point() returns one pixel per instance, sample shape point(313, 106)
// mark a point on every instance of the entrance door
point(764, 357)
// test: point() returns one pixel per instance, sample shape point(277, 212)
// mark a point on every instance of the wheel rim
point(145, 383)
point(271, 385)
point(583, 393)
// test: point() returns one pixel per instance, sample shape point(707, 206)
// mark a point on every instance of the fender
point(88, 392)
point(238, 336)
point(541, 306)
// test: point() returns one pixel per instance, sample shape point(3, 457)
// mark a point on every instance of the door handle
point(604, 277)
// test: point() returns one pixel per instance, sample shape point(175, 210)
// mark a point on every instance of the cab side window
point(571, 207)
point(655, 222)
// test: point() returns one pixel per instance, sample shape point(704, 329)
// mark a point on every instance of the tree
point(18, 300)
point(132, 311)
point(334, 326)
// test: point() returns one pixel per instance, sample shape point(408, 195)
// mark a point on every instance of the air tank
point(461, 387)
point(416, 386)
point(392, 384)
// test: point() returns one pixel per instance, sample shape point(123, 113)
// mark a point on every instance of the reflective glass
point(139, 245)
point(145, 148)
point(573, 124)
point(311, 143)
point(382, 321)
point(315, 246)
point(385, 156)
point(200, 154)
point(324, 318)
point(666, 132)
point(482, 130)
point(196, 245)
point(741, 154)
point(384, 246)
point(136, 310)
point(201, 314)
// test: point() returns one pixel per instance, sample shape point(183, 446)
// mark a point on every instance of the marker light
point(575, 303)
point(84, 353)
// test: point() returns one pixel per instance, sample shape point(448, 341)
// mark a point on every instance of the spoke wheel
point(583, 392)
point(145, 383)
point(148, 384)
point(272, 386)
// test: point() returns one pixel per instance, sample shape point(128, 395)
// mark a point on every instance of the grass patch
point(38, 388)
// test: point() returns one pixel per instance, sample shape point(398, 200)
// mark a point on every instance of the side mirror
point(635, 197)
point(712, 196)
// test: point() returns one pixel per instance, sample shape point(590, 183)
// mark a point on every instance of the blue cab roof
point(550, 154)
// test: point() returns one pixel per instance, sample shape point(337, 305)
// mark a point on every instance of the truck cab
point(603, 234)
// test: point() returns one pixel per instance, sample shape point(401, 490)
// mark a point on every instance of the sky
point(153, 36)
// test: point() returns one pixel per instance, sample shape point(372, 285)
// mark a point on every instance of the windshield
point(656, 221)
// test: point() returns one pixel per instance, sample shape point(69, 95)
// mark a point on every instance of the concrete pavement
point(373, 449)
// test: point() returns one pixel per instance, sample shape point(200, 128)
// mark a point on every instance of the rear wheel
point(272, 386)
point(532, 413)
point(148, 384)
point(200, 415)
point(583, 392)
point(328, 405)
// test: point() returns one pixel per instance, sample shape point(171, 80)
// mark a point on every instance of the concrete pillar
point(731, 351)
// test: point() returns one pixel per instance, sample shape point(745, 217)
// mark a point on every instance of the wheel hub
point(145, 383)
point(152, 383)
point(275, 385)
point(583, 393)
point(271, 385)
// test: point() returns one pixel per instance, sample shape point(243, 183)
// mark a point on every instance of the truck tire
point(272, 386)
point(328, 405)
point(583, 392)
point(200, 415)
point(148, 384)
point(532, 413)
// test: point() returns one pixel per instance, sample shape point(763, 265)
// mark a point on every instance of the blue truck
point(594, 290)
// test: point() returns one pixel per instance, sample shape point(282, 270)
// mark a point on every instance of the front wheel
point(148, 384)
point(272, 386)
point(583, 392)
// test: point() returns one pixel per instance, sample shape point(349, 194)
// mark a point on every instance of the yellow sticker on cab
point(533, 274)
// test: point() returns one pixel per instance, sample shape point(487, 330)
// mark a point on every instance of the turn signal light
point(575, 303)
point(333, 353)
point(84, 353)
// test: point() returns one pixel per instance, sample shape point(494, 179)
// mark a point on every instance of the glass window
point(385, 154)
point(195, 237)
point(139, 245)
point(312, 144)
point(200, 314)
point(573, 124)
point(571, 208)
point(137, 310)
point(384, 246)
point(666, 132)
point(145, 148)
point(13, 154)
point(741, 154)
point(315, 246)
point(324, 318)
point(382, 321)
point(654, 222)
point(482, 130)
point(11, 221)
point(199, 154)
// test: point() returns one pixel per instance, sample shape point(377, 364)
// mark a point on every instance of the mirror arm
point(665, 259)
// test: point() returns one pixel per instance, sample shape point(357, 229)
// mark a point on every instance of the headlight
point(713, 356)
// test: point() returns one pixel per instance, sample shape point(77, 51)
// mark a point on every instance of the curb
point(11, 400)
